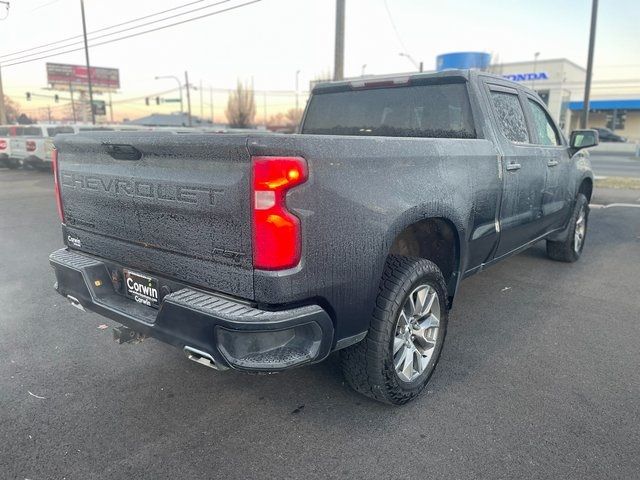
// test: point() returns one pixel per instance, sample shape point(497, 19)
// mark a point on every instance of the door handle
point(513, 166)
point(552, 163)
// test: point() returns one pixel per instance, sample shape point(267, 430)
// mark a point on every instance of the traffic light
point(146, 101)
point(28, 96)
point(56, 97)
point(157, 100)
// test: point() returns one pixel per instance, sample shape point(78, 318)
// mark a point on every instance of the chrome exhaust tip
point(75, 302)
point(203, 358)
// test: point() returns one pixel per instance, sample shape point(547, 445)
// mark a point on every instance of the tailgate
point(18, 147)
point(181, 210)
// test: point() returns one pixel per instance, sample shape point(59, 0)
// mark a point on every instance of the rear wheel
point(396, 359)
point(570, 249)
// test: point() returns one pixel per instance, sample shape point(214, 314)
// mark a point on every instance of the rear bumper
point(7, 161)
point(36, 162)
point(230, 332)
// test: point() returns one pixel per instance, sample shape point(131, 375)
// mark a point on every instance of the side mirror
point(583, 139)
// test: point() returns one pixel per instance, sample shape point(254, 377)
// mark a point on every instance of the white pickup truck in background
point(33, 144)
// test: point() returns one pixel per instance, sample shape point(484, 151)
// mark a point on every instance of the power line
point(102, 29)
point(134, 34)
point(119, 31)
point(44, 5)
point(395, 29)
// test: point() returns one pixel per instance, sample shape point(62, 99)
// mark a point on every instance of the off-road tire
point(564, 251)
point(368, 366)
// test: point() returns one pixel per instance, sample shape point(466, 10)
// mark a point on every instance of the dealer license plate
point(141, 288)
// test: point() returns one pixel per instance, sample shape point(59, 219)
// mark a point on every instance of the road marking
point(597, 205)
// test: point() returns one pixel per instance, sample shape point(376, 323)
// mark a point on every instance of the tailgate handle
point(123, 152)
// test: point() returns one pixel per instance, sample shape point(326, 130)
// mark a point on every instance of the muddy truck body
point(263, 252)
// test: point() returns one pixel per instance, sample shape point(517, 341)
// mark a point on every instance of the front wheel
point(570, 249)
point(396, 359)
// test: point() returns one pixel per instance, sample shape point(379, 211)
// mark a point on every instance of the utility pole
point(110, 107)
point(264, 107)
point(3, 112)
point(86, 55)
point(338, 66)
point(73, 103)
point(49, 113)
point(584, 120)
point(186, 81)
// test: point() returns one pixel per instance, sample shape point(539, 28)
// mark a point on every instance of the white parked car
point(6, 131)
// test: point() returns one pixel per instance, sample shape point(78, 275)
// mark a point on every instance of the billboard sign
point(62, 76)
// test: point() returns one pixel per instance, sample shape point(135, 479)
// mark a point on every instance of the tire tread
point(363, 364)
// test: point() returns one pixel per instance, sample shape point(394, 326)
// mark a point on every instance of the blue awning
point(618, 104)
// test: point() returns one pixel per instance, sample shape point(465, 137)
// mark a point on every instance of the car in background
point(608, 135)
point(6, 131)
point(33, 144)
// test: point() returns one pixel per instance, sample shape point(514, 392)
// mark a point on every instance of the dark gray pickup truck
point(266, 252)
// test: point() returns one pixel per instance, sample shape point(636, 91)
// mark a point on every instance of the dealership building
point(614, 104)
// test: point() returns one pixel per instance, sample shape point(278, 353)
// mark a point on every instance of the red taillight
point(276, 231)
point(31, 145)
point(3, 144)
point(56, 183)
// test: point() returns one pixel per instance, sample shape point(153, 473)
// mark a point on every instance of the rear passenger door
point(556, 200)
point(523, 171)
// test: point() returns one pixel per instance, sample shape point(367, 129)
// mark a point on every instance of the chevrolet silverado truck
point(263, 252)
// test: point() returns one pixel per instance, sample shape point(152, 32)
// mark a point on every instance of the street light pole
point(297, 75)
point(415, 64)
point(186, 81)
point(587, 85)
point(179, 87)
point(338, 65)
point(86, 55)
point(535, 66)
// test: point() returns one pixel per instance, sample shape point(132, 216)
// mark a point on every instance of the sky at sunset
point(268, 41)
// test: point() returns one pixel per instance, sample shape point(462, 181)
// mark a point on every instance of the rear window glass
point(4, 131)
point(96, 129)
point(433, 111)
point(53, 131)
point(28, 132)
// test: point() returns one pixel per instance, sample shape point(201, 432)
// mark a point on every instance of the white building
point(614, 104)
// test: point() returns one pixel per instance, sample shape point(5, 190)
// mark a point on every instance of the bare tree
point(293, 116)
point(241, 107)
point(13, 112)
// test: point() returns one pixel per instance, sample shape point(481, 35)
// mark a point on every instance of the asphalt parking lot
point(615, 165)
point(539, 378)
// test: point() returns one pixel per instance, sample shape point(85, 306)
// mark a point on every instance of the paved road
point(615, 165)
point(539, 379)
